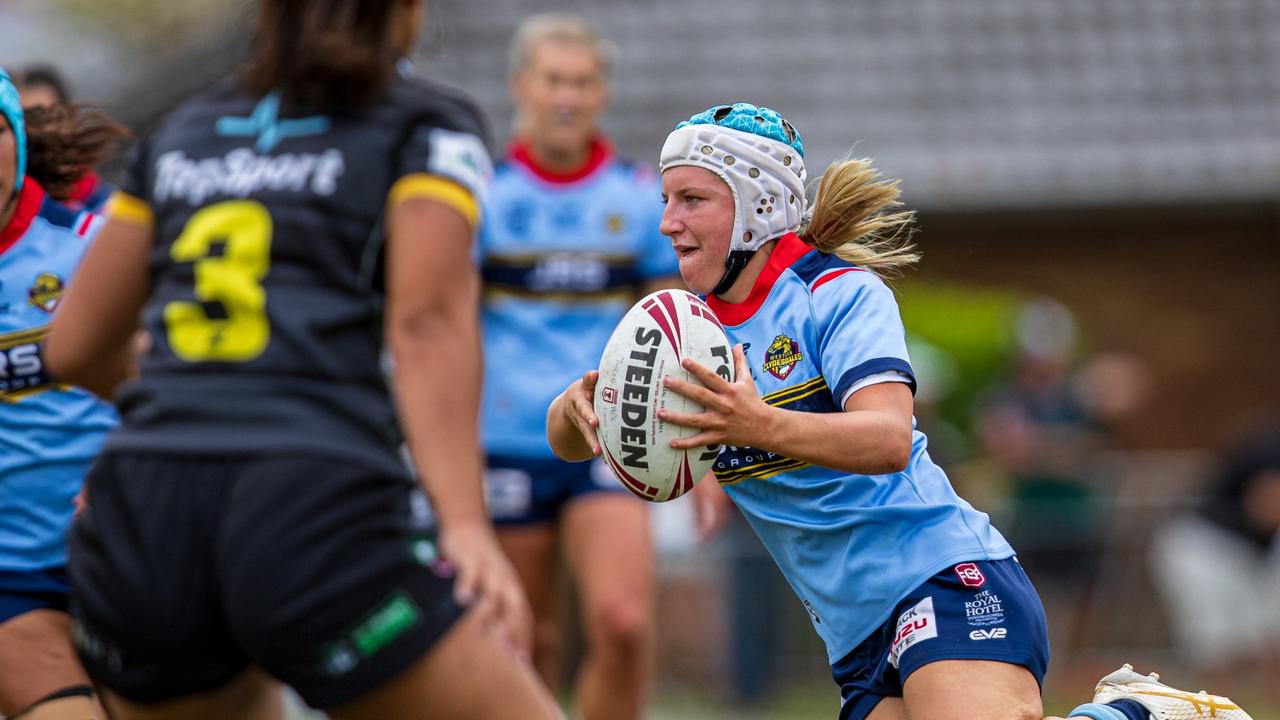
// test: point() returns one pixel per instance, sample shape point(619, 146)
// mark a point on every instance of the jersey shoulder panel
point(424, 102)
point(59, 215)
point(222, 98)
point(815, 263)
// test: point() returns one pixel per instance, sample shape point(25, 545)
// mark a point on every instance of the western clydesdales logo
point(46, 292)
point(781, 357)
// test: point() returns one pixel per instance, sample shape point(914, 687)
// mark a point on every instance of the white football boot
point(1162, 701)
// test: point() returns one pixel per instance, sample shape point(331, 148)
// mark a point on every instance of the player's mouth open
point(685, 251)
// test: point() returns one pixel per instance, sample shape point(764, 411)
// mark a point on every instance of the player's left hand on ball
point(487, 584)
point(733, 412)
point(580, 407)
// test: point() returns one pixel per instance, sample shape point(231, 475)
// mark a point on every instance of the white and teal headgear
point(11, 108)
point(760, 156)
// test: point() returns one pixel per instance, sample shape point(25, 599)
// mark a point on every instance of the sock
point(1117, 710)
point(1132, 709)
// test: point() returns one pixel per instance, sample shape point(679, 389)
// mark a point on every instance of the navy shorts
point(525, 491)
point(186, 569)
point(983, 610)
point(22, 591)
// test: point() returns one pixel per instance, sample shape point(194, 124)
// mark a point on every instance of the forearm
point(438, 412)
point(100, 376)
point(866, 442)
point(562, 435)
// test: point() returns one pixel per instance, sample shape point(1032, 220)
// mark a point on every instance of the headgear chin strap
point(11, 108)
point(760, 156)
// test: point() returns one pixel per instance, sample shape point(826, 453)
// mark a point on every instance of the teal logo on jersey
point(265, 123)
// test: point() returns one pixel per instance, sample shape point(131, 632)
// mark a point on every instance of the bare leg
point(37, 660)
point(967, 689)
point(609, 551)
point(467, 675)
point(532, 551)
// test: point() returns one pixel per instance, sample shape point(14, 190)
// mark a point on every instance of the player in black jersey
point(251, 517)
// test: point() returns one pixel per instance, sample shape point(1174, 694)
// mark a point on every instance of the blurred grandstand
point(1121, 157)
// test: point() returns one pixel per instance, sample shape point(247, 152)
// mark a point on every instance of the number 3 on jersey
point(230, 244)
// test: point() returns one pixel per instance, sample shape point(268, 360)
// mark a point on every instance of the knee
point(547, 638)
point(622, 628)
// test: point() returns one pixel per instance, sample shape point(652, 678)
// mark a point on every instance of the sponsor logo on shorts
point(509, 492)
point(984, 609)
point(914, 626)
point(970, 575)
point(376, 630)
point(992, 634)
point(95, 647)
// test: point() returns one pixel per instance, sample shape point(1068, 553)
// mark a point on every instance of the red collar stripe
point(786, 252)
point(601, 151)
point(832, 276)
point(30, 198)
point(86, 220)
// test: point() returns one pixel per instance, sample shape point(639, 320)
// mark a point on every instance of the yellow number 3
point(231, 278)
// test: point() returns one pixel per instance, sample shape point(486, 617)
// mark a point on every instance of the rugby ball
point(649, 343)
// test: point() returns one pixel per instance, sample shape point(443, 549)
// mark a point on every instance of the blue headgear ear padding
point(11, 108)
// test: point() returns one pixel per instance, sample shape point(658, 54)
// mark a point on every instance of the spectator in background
point(1219, 570)
point(40, 85)
point(1040, 433)
point(43, 85)
point(1039, 440)
point(570, 241)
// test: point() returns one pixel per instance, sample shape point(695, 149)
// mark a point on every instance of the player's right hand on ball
point(487, 584)
point(580, 407)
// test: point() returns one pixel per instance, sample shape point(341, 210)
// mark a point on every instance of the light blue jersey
point(563, 258)
point(49, 433)
point(851, 546)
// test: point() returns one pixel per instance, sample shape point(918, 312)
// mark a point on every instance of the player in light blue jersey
point(44, 86)
point(570, 241)
point(49, 433)
point(925, 611)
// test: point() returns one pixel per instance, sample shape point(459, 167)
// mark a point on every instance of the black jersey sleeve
point(132, 200)
point(444, 157)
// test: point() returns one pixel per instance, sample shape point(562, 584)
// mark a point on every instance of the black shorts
point(186, 569)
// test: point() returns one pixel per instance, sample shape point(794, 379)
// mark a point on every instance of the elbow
point(413, 334)
point(61, 362)
point(897, 453)
point(899, 460)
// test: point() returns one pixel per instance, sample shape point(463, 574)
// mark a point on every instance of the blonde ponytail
point(851, 218)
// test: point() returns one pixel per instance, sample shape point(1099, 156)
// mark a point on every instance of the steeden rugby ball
point(649, 343)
